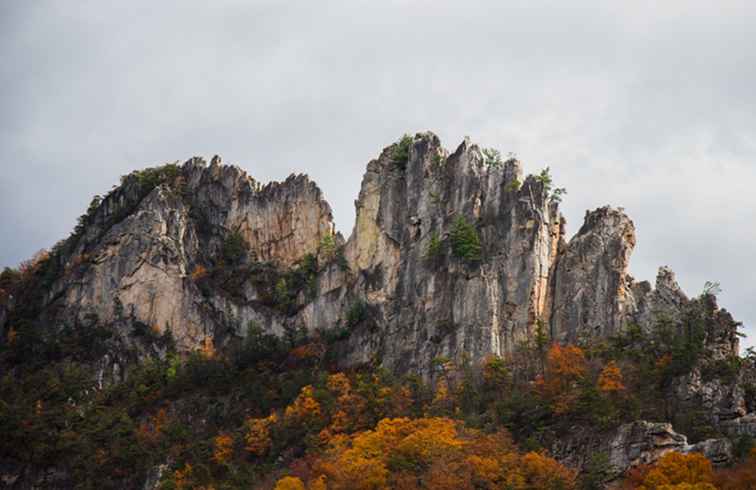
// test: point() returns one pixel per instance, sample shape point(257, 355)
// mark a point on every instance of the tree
point(223, 448)
point(305, 407)
point(610, 380)
point(465, 242)
point(235, 247)
point(565, 367)
point(257, 437)
point(289, 483)
point(543, 472)
point(675, 470)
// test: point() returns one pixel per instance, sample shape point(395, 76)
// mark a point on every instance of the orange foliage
point(289, 483)
point(541, 471)
point(663, 361)
point(675, 470)
point(182, 477)
point(223, 448)
point(12, 334)
point(208, 348)
point(198, 273)
point(565, 366)
point(307, 351)
point(151, 429)
point(318, 484)
point(610, 380)
point(257, 438)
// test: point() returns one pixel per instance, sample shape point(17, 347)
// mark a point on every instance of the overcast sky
point(651, 106)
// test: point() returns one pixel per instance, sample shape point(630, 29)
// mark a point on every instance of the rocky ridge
point(453, 256)
point(138, 253)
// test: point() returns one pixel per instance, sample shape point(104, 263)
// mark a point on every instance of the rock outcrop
point(634, 444)
point(452, 257)
point(142, 252)
point(592, 286)
point(430, 301)
point(136, 259)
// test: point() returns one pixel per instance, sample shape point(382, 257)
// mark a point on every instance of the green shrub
point(545, 179)
point(492, 157)
point(435, 247)
point(341, 260)
point(149, 178)
point(465, 242)
point(235, 248)
point(356, 314)
point(514, 185)
point(327, 246)
point(401, 152)
point(725, 370)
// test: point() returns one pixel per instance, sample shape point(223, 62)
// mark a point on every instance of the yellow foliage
point(339, 384)
point(289, 483)
point(257, 438)
point(318, 483)
point(542, 472)
point(438, 452)
point(304, 407)
point(680, 471)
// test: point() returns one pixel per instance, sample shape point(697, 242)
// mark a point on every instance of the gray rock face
point(634, 444)
point(592, 286)
point(442, 305)
point(139, 267)
point(741, 426)
point(140, 258)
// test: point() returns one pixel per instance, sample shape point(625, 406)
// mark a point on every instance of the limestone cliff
point(141, 254)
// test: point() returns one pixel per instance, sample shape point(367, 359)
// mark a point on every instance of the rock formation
point(452, 256)
point(143, 248)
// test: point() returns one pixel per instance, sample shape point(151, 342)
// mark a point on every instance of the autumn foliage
point(257, 435)
point(223, 448)
point(611, 380)
point(676, 471)
point(304, 408)
point(437, 453)
point(565, 367)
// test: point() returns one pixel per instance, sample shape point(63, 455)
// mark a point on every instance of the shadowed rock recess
point(453, 256)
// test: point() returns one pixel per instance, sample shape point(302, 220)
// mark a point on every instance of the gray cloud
point(648, 106)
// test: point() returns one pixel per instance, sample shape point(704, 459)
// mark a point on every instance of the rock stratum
point(454, 256)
